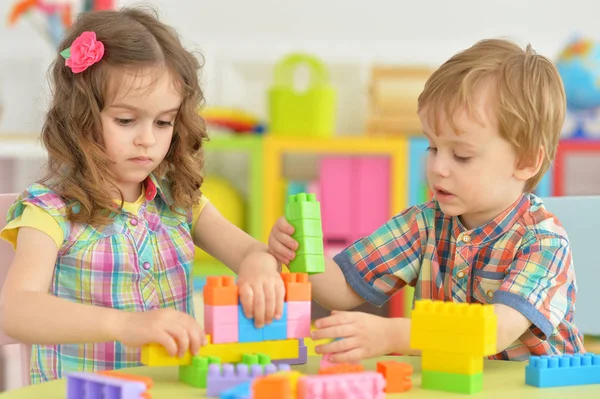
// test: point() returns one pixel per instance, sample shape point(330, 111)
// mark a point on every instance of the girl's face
point(137, 126)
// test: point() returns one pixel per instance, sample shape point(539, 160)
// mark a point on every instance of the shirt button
point(460, 274)
point(146, 265)
point(466, 238)
point(134, 222)
point(490, 294)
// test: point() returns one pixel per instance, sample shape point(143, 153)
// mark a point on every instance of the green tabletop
point(501, 380)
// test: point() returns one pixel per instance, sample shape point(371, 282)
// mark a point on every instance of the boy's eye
point(164, 123)
point(124, 122)
point(461, 159)
point(431, 149)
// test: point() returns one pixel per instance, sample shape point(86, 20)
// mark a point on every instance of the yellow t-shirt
point(37, 218)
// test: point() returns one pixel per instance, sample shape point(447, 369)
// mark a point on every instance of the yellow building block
point(451, 363)
point(156, 355)
point(464, 328)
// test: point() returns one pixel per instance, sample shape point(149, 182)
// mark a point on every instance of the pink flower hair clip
point(84, 52)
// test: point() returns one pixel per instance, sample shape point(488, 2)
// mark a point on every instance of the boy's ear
point(529, 166)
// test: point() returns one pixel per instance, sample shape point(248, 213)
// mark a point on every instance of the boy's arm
point(331, 290)
point(33, 316)
point(511, 325)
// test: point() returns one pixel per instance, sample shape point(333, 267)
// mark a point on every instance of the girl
point(105, 242)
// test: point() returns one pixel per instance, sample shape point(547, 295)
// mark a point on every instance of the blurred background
point(287, 81)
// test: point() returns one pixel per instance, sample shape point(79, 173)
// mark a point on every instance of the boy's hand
point(359, 336)
point(281, 243)
point(176, 331)
point(261, 288)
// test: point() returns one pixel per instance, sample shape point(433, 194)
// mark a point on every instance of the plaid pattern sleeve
point(378, 265)
point(535, 283)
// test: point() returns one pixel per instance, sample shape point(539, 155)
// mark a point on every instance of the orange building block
point(130, 377)
point(297, 287)
point(220, 291)
point(342, 368)
point(397, 376)
point(272, 387)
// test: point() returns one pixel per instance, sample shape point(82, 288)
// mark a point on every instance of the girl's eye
point(124, 122)
point(164, 123)
point(432, 149)
point(461, 159)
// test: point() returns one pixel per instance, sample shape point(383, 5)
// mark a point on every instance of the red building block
point(397, 376)
point(220, 291)
point(297, 287)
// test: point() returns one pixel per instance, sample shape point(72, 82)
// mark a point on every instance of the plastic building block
point(195, 373)
point(299, 320)
point(277, 330)
point(304, 213)
point(302, 355)
point(451, 382)
point(342, 368)
point(250, 359)
point(297, 287)
point(563, 370)
point(129, 377)
point(464, 328)
point(220, 378)
point(268, 388)
point(156, 355)
point(397, 376)
point(82, 385)
point(326, 361)
point(451, 362)
point(368, 384)
point(221, 322)
point(241, 391)
point(220, 291)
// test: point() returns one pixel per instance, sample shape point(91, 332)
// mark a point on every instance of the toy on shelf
point(308, 113)
point(392, 100)
point(563, 370)
point(453, 339)
point(232, 120)
point(304, 213)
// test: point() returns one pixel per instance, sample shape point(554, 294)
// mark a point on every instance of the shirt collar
point(494, 228)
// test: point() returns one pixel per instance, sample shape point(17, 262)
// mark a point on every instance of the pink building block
point(372, 193)
point(326, 361)
point(337, 190)
point(221, 322)
point(368, 384)
point(298, 322)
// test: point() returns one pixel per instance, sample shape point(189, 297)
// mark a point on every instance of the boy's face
point(473, 174)
point(138, 126)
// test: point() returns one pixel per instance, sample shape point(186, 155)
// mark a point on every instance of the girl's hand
point(176, 331)
point(281, 243)
point(357, 336)
point(261, 288)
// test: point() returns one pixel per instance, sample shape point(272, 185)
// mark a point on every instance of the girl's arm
point(30, 314)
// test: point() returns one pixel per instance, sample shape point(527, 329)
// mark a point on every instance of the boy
point(492, 115)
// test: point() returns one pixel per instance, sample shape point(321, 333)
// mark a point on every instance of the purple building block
point(301, 359)
point(83, 385)
point(220, 379)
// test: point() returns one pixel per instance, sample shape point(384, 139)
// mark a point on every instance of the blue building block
point(247, 332)
point(564, 370)
point(241, 391)
point(278, 328)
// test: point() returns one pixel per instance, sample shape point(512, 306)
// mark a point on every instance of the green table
point(501, 380)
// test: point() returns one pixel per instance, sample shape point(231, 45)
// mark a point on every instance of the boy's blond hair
point(529, 95)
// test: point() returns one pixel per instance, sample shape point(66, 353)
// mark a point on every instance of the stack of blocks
point(225, 322)
point(304, 213)
point(453, 339)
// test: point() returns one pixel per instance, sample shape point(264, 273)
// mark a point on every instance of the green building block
point(451, 382)
point(195, 373)
point(303, 211)
point(258, 358)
